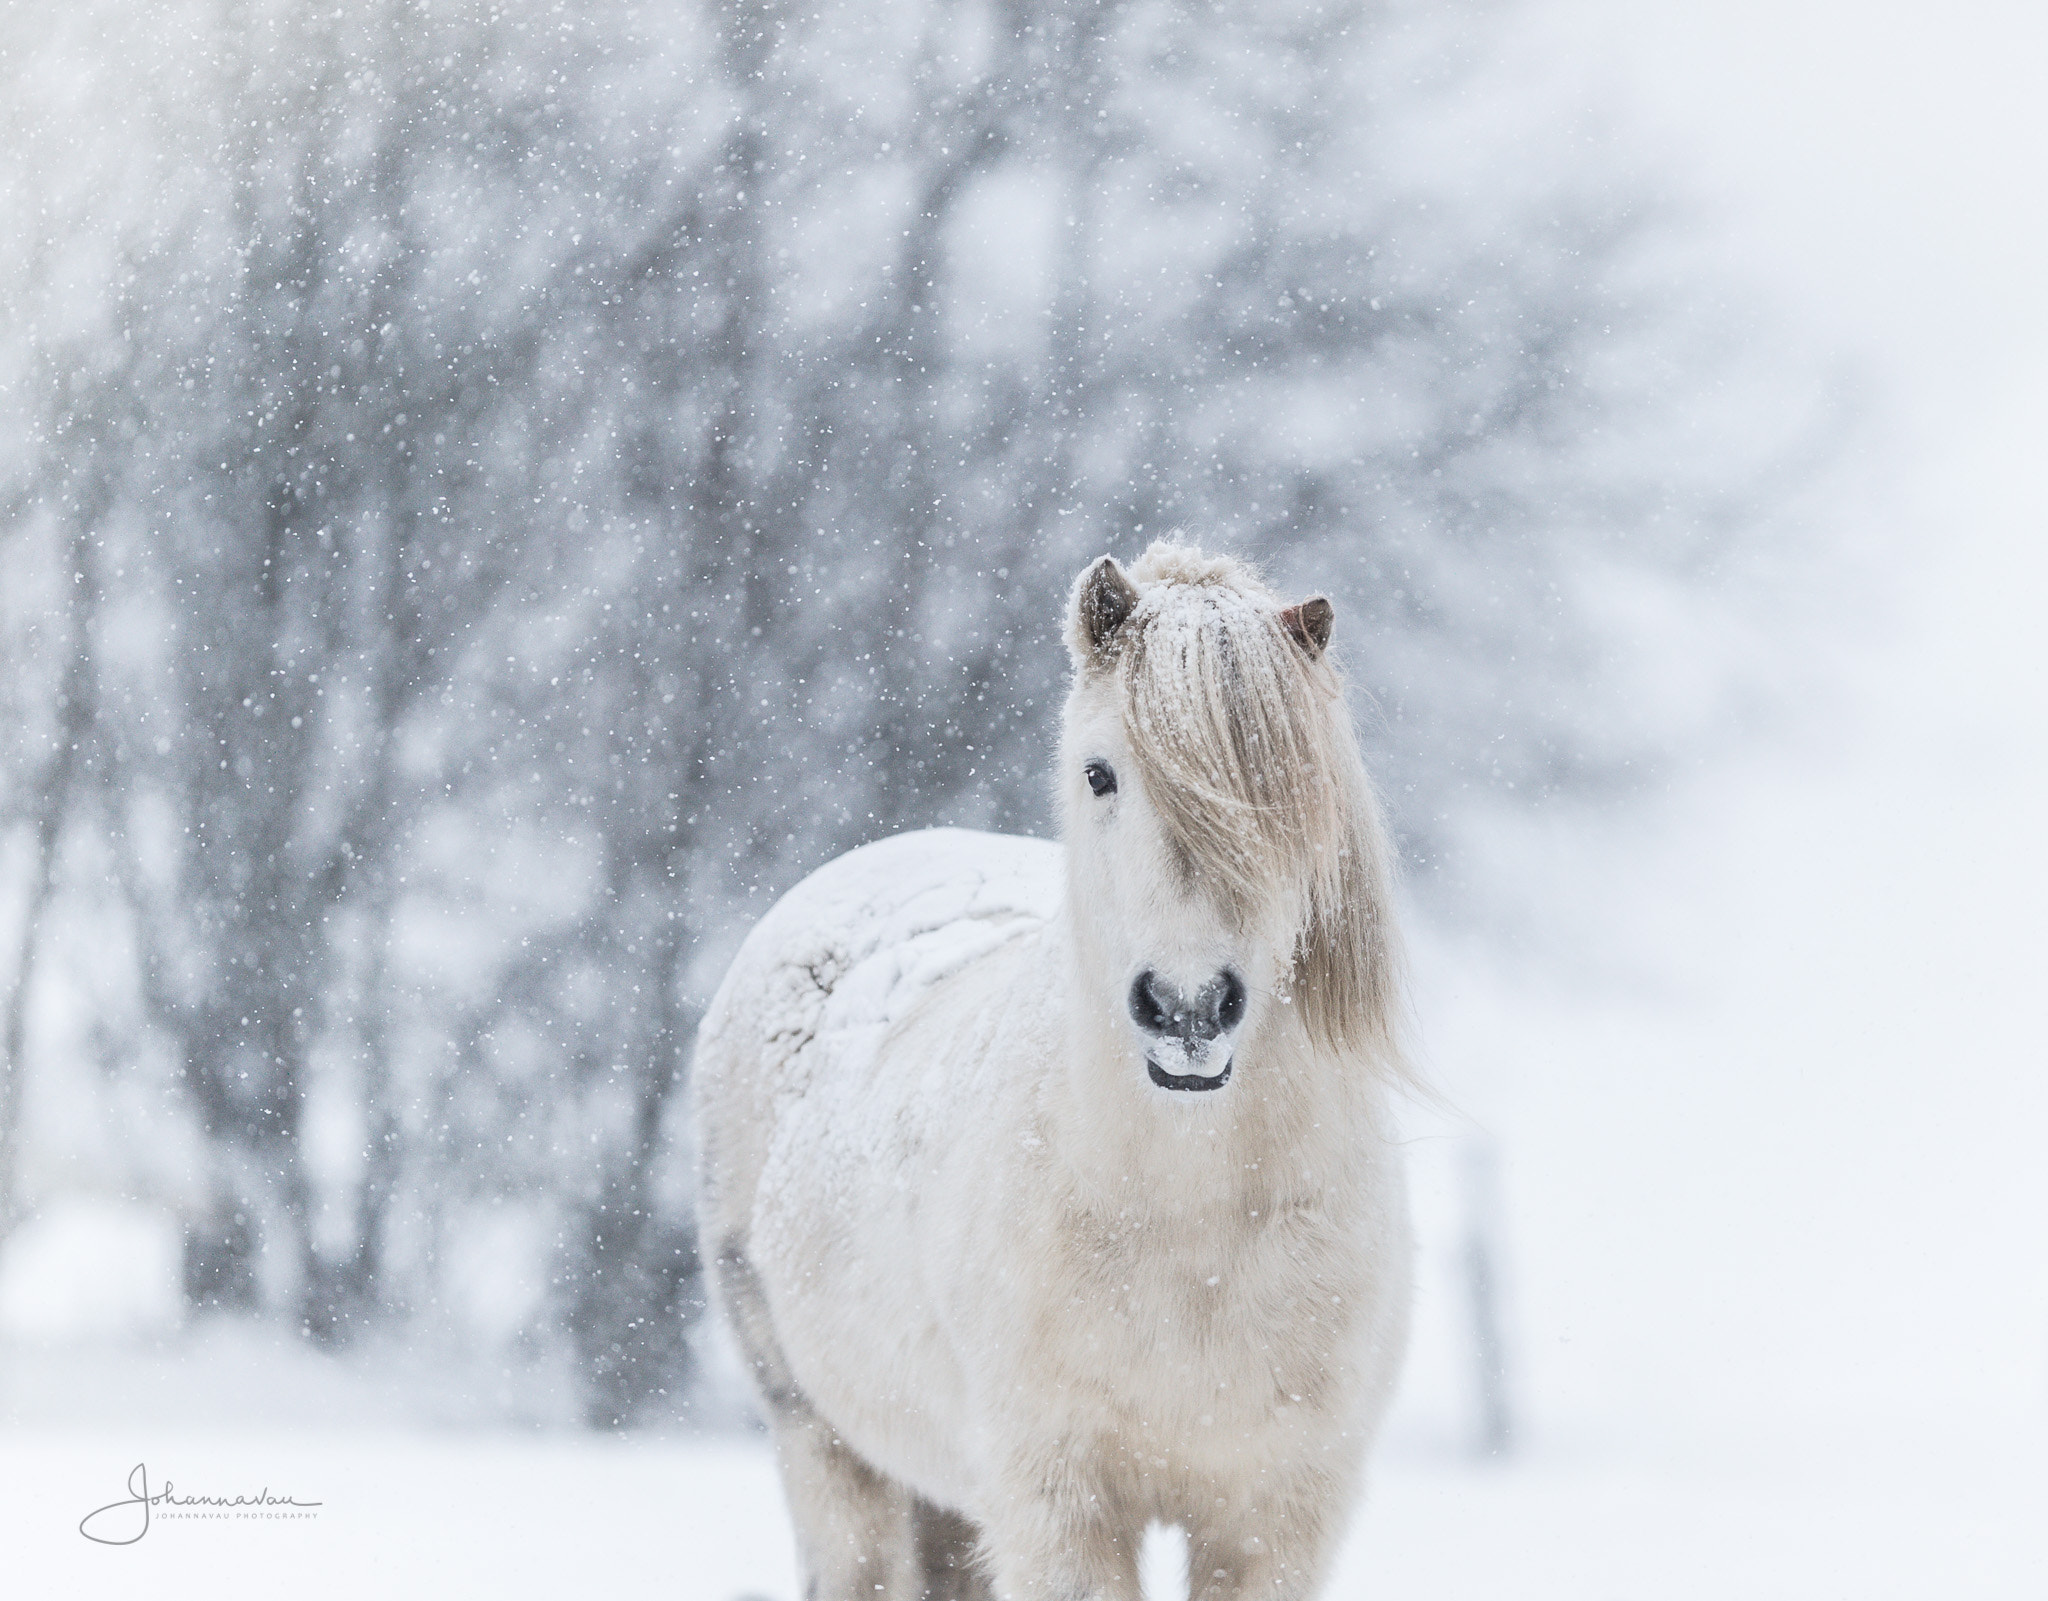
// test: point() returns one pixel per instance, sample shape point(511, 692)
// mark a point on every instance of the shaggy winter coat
point(1050, 1189)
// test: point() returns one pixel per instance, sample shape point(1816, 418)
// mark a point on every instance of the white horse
point(1052, 1192)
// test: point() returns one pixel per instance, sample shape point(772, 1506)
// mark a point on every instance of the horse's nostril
point(1152, 1003)
point(1230, 1007)
point(1216, 1008)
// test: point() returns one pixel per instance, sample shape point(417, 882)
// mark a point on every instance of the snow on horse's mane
point(1247, 752)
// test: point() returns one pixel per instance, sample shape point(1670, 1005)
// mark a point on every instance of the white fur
point(1000, 1290)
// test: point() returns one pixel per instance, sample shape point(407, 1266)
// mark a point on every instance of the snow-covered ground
point(1882, 1514)
point(1798, 1508)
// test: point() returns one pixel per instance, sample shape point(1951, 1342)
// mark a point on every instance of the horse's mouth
point(1187, 1081)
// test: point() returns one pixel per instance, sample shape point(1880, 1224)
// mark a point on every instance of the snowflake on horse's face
point(1051, 1191)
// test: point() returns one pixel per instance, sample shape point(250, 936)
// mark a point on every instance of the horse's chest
point(1230, 1323)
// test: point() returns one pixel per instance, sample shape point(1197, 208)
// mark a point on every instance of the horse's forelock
point(1246, 749)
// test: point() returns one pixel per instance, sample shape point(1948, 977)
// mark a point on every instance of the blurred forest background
point(489, 497)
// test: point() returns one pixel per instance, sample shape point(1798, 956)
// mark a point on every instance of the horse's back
point(841, 960)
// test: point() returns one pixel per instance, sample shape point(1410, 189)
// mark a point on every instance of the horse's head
point(1226, 871)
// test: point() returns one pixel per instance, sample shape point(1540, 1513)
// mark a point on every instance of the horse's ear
point(1309, 624)
point(1103, 598)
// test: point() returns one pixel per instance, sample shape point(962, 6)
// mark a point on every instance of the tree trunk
point(55, 797)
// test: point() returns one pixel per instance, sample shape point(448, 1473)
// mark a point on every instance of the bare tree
point(70, 421)
point(639, 457)
point(48, 802)
point(315, 442)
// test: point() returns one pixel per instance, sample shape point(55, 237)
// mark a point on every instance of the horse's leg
point(853, 1523)
point(1053, 1535)
point(1278, 1551)
point(1225, 1571)
point(948, 1547)
point(1089, 1563)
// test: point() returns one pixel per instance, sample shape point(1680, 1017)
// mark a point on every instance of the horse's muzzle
point(1189, 1030)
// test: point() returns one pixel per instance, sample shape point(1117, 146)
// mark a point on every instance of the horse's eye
point(1101, 778)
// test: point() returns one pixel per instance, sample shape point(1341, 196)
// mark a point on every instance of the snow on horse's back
point(1050, 1190)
